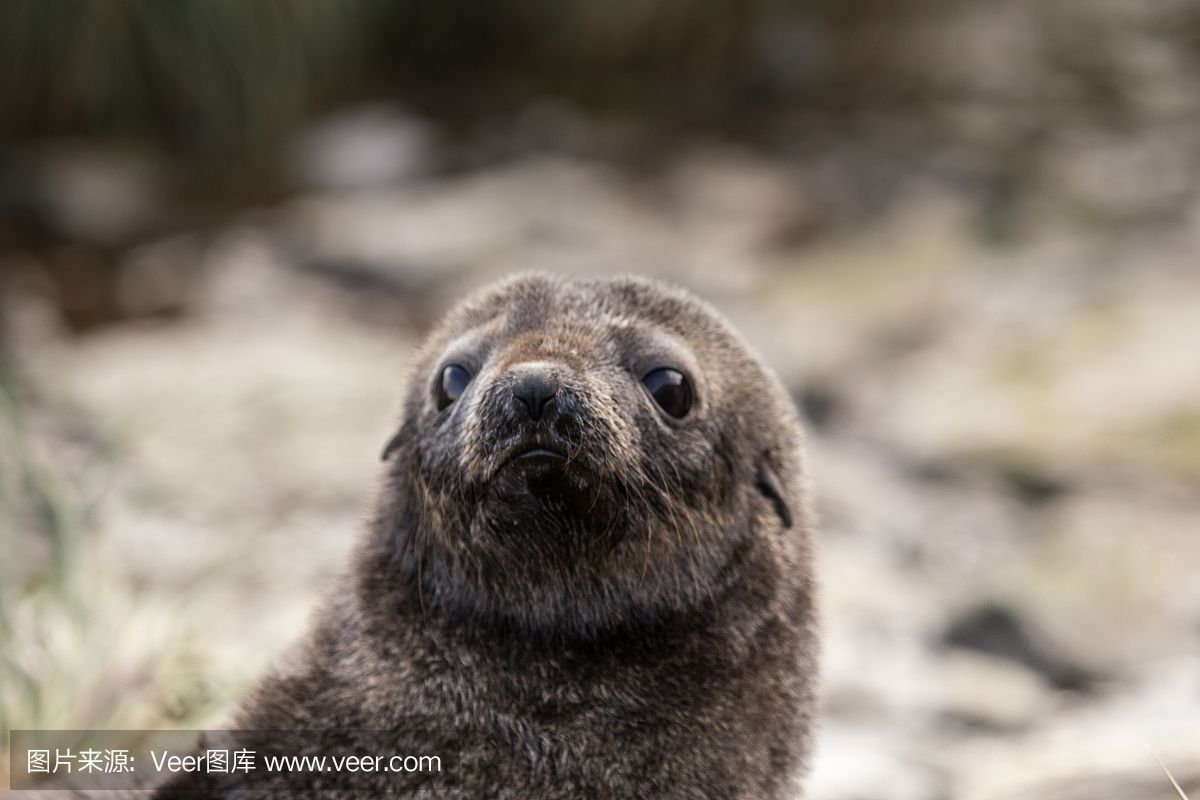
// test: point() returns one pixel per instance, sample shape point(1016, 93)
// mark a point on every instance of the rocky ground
point(1004, 440)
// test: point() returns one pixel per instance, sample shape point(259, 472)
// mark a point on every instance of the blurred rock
point(367, 147)
point(84, 194)
point(1108, 576)
point(854, 763)
point(93, 227)
point(1000, 632)
point(430, 243)
point(986, 695)
point(819, 405)
point(1110, 786)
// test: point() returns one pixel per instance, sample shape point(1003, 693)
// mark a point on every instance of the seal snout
point(535, 412)
point(535, 397)
point(535, 388)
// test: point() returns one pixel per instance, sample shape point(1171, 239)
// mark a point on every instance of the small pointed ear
point(391, 445)
point(767, 481)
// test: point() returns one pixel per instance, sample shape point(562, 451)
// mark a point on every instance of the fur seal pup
point(588, 573)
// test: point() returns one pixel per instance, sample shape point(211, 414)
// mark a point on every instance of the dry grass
point(82, 643)
point(1170, 777)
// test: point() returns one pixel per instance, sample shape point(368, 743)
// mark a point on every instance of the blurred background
point(966, 233)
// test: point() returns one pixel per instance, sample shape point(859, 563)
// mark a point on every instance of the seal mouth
point(530, 455)
point(540, 453)
point(534, 454)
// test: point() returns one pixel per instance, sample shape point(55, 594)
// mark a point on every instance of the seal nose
point(535, 389)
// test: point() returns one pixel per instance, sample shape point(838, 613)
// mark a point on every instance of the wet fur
point(644, 629)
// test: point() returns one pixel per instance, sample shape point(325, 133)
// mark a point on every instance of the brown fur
point(642, 628)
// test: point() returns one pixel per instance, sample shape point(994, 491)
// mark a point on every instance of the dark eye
point(452, 384)
point(671, 390)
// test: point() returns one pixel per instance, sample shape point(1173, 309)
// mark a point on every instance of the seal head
point(579, 455)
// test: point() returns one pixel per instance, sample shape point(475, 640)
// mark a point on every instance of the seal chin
point(539, 503)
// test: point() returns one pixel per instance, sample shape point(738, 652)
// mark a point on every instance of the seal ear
point(392, 444)
point(767, 481)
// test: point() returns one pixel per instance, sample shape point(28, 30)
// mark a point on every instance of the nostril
point(535, 391)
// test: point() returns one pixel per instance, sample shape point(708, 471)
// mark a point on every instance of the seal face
point(576, 455)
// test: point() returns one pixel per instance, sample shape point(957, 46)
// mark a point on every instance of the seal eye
point(453, 383)
point(671, 390)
